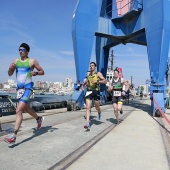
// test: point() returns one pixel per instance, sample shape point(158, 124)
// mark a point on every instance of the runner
point(94, 79)
point(24, 67)
point(141, 95)
point(127, 91)
point(0, 123)
point(83, 87)
point(116, 87)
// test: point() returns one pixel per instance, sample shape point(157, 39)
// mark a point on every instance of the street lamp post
point(111, 59)
point(131, 80)
point(147, 84)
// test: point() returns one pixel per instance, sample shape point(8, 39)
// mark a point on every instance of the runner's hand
point(123, 93)
point(12, 66)
point(109, 89)
point(94, 81)
point(34, 73)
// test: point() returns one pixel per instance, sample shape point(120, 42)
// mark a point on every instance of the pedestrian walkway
point(135, 144)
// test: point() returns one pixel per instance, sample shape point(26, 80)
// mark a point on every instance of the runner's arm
point(12, 68)
point(110, 88)
point(84, 84)
point(101, 80)
point(35, 64)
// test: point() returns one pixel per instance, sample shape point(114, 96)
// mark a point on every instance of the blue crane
point(114, 22)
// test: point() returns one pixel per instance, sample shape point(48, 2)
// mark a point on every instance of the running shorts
point(94, 94)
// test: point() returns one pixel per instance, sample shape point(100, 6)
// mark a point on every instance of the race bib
point(88, 93)
point(116, 93)
point(20, 93)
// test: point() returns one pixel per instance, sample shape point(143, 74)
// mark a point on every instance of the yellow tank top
point(90, 85)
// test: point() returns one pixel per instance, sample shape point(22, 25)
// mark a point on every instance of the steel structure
point(114, 22)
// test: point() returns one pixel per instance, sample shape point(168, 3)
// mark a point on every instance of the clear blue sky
point(46, 26)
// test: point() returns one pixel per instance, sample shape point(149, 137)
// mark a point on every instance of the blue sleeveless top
point(23, 74)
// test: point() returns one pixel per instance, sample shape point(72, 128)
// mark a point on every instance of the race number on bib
point(20, 93)
point(116, 93)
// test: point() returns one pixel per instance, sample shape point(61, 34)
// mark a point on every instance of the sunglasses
point(22, 50)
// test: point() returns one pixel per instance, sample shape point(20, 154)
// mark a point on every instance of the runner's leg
point(116, 111)
point(88, 109)
point(97, 106)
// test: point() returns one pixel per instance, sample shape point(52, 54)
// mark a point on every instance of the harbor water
point(45, 101)
point(52, 96)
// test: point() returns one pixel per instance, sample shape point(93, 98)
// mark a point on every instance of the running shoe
point(11, 139)
point(99, 116)
point(39, 122)
point(117, 122)
point(121, 111)
point(87, 126)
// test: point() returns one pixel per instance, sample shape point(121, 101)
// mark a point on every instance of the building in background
point(40, 86)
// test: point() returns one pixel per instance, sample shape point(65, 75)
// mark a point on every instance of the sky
point(46, 25)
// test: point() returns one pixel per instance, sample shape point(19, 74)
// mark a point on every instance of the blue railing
point(112, 10)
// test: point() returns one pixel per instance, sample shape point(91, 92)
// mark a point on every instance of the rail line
point(72, 157)
point(76, 154)
point(46, 115)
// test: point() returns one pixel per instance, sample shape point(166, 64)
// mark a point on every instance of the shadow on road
point(36, 133)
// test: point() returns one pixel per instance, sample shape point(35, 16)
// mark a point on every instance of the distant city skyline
point(43, 86)
point(14, 81)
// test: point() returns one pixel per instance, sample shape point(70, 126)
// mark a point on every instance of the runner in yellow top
point(93, 92)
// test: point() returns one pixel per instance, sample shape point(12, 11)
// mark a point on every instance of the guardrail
point(161, 112)
point(121, 7)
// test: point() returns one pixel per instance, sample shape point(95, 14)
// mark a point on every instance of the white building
point(69, 82)
point(7, 86)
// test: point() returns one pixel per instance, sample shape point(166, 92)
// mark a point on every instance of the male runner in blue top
point(24, 67)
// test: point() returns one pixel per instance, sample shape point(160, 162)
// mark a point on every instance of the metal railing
point(121, 7)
